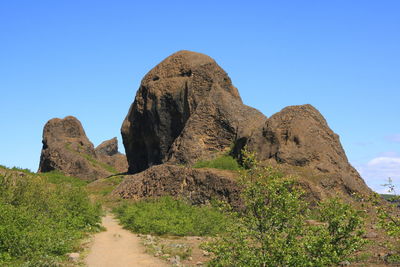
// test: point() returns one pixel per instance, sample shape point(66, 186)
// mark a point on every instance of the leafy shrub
point(271, 230)
point(224, 162)
point(389, 219)
point(41, 221)
point(166, 215)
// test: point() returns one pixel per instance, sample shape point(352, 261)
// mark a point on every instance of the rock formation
point(107, 152)
point(299, 136)
point(108, 147)
point(66, 148)
point(186, 109)
point(196, 185)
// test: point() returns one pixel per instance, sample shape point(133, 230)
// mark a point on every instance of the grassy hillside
point(42, 217)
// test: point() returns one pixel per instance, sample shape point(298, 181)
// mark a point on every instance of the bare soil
point(117, 247)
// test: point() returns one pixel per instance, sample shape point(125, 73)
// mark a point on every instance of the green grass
point(224, 162)
point(56, 177)
point(167, 216)
point(43, 217)
point(28, 171)
point(105, 186)
point(98, 163)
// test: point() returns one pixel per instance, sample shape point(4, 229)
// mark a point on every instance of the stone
point(315, 223)
point(67, 149)
point(344, 263)
point(186, 109)
point(74, 257)
point(370, 235)
point(176, 260)
point(206, 253)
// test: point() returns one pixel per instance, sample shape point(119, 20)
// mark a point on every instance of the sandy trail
point(117, 247)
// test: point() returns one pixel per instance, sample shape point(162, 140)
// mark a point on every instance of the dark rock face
point(197, 185)
point(67, 149)
point(185, 109)
point(108, 147)
point(299, 136)
point(107, 152)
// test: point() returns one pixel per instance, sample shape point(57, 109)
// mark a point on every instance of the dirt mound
point(198, 186)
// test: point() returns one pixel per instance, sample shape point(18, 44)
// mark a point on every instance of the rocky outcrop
point(199, 186)
point(299, 136)
point(108, 147)
point(66, 148)
point(186, 109)
point(107, 152)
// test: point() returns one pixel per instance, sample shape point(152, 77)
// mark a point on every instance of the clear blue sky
point(86, 58)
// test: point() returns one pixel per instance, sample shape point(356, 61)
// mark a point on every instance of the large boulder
point(67, 149)
point(299, 138)
point(199, 186)
point(186, 109)
point(107, 152)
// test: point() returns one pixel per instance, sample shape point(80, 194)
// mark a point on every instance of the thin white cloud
point(378, 170)
point(385, 162)
point(394, 138)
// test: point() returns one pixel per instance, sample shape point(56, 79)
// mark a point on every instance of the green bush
point(165, 215)
point(224, 162)
point(272, 228)
point(40, 221)
point(389, 219)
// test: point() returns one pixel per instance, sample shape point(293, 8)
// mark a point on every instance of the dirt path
point(117, 247)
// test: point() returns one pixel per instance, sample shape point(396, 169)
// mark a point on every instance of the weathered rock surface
point(186, 109)
point(300, 136)
point(108, 147)
point(107, 152)
point(197, 185)
point(66, 148)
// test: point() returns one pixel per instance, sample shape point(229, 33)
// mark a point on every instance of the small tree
point(271, 230)
point(389, 219)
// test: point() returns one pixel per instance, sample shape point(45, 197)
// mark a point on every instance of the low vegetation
point(389, 220)
point(42, 217)
point(276, 227)
point(224, 162)
point(168, 216)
